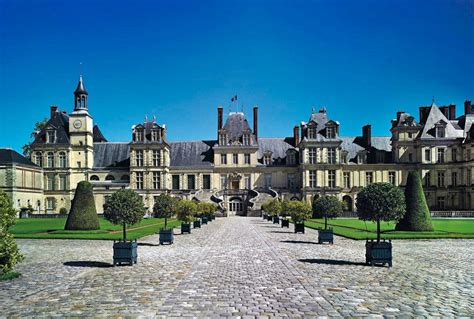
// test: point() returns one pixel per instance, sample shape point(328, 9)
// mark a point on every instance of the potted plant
point(185, 211)
point(209, 210)
point(263, 209)
point(164, 208)
point(377, 202)
point(299, 212)
point(273, 208)
point(327, 207)
point(285, 222)
point(124, 207)
point(200, 211)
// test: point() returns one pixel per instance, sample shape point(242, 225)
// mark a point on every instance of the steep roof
point(80, 89)
point(354, 144)
point(97, 135)
point(109, 154)
point(235, 125)
point(60, 123)
point(191, 153)
point(278, 146)
point(435, 116)
point(9, 156)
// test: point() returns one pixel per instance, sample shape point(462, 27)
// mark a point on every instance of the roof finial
point(432, 99)
point(80, 70)
point(146, 118)
point(154, 118)
point(312, 109)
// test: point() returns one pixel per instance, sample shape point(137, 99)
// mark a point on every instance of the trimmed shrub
point(63, 211)
point(299, 211)
point(327, 207)
point(83, 215)
point(9, 253)
point(417, 216)
point(273, 207)
point(185, 210)
point(164, 207)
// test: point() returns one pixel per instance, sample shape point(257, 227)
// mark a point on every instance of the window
point(454, 155)
point(344, 157)
point(155, 135)
point(62, 159)
point(235, 159)
point(268, 181)
point(392, 178)
point(79, 164)
point(369, 178)
point(139, 180)
point(49, 203)
point(247, 158)
point(468, 155)
point(427, 179)
point(410, 157)
point(346, 176)
point(331, 132)
point(247, 182)
point(440, 131)
point(50, 135)
point(139, 158)
point(206, 181)
point(440, 201)
point(267, 159)
point(440, 157)
point(410, 135)
point(224, 159)
point(311, 132)
point(332, 178)
point(191, 182)
point(39, 159)
point(50, 182)
point(291, 181)
point(312, 179)
point(290, 158)
point(312, 155)
point(139, 135)
point(175, 181)
point(156, 180)
point(331, 155)
point(50, 159)
point(156, 158)
point(94, 178)
point(62, 182)
point(427, 155)
point(109, 178)
point(454, 178)
point(223, 181)
point(222, 139)
point(440, 179)
point(246, 139)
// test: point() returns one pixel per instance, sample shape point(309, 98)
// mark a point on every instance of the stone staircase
point(262, 197)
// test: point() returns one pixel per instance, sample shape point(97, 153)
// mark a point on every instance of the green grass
point(50, 228)
point(9, 275)
point(358, 229)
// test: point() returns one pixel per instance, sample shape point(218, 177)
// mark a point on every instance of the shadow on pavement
point(281, 232)
point(85, 263)
point(332, 262)
point(298, 242)
point(148, 244)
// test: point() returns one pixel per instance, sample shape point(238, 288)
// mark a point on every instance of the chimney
point(468, 109)
point(255, 122)
point(54, 109)
point(367, 135)
point(296, 135)
point(424, 110)
point(445, 111)
point(452, 111)
point(220, 110)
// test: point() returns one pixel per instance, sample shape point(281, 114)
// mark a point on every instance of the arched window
point(109, 178)
point(39, 159)
point(125, 178)
point(94, 178)
point(62, 159)
point(50, 159)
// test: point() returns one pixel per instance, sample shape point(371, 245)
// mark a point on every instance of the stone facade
point(239, 170)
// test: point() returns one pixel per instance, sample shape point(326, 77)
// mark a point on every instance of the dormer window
point(440, 131)
point(344, 157)
point(39, 159)
point(267, 158)
point(155, 135)
point(311, 132)
point(50, 136)
point(222, 139)
point(330, 132)
point(139, 136)
point(291, 158)
point(246, 139)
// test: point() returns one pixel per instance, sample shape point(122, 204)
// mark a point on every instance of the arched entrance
point(236, 206)
point(348, 207)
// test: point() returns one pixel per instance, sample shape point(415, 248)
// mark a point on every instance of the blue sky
point(179, 60)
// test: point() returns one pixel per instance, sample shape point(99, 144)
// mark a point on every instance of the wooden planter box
point(125, 252)
point(276, 219)
point(209, 219)
point(378, 253)
point(285, 223)
point(204, 220)
point(185, 228)
point(325, 236)
point(166, 236)
point(269, 218)
point(197, 223)
point(299, 228)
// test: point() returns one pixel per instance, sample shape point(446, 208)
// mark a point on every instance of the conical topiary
point(417, 216)
point(83, 215)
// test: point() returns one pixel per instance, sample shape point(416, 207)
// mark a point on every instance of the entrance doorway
point(347, 203)
point(235, 184)
point(236, 206)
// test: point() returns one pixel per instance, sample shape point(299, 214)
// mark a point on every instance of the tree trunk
point(124, 231)
point(166, 221)
point(378, 230)
point(325, 222)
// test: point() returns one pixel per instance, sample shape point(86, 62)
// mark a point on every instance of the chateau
point(237, 168)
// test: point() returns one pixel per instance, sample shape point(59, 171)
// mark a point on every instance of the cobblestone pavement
point(241, 267)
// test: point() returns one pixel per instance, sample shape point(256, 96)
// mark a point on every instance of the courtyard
point(241, 267)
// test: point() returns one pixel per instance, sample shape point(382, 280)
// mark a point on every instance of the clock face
point(77, 124)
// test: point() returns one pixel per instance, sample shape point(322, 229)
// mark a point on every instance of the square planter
point(378, 253)
point(269, 218)
point(185, 228)
point(299, 228)
point(264, 216)
point(204, 220)
point(197, 223)
point(125, 252)
point(166, 236)
point(209, 219)
point(213, 217)
point(276, 219)
point(285, 223)
point(325, 236)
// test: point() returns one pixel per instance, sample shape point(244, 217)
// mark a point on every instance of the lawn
point(358, 229)
point(49, 228)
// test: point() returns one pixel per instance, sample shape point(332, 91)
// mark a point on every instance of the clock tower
point(81, 136)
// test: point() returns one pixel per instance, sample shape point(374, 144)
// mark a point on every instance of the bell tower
point(80, 96)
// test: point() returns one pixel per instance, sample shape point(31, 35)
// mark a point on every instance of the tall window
point(62, 182)
point(267, 159)
point(440, 131)
point(175, 181)
point(206, 181)
point(139, 180)
point(49, 203)
point(332, 178)
point(247, 158)
point(290, 158)
point(427, 179)
point(39, 159)
point(312, 155)
point(440, 155)
point(156, 180)
point(139, 135)
point(346, 176)
point(440, 179)
point(440, 201)
point(331, 155)
point(191, 182)
point(331, 132)
point(62, 159)
point(50, 159)
point(247, 182)
point(410, 157)
point(391, 178)
point(311, 132)
point(224, 159)
point(50, 182)
point(369, 178)
point(246, 139)
point(454, 155)
point(139, 158)
point(156, 158)
point(50, 135)
point(222, 139)
point(155, 135)
point(235, 159)
point(312, 179)
point(454, 178)
point(427, 155)
point(223, 181)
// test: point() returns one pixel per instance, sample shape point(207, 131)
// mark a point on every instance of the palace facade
point(237, 168)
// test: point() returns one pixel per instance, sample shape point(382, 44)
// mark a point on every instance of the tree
point(9, 253)
point(38, 127)
point(124, 207)
point(417, 216)
point(185, 210)
point(299, 211)
point(380, 201)
point(273, 207)
point(83, 215)
point(327, 207)
point(206, 209)
point(284, 208)
point(164, 207)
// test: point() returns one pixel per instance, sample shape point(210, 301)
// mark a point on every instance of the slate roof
point(97, 135)
point(9, 157)
point(235, 125)
point(109, 154)
point(277, 145)
point(80, 89)
point(436, 116)
point(354, 144)
point(191, 153)
point(60, 123)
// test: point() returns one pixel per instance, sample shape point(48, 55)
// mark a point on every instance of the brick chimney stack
point(468, 108)
point(54, 109)
point(296, 135)
point(220, 111)
point(452, 111)
point(255, 122)
point(367, 135)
